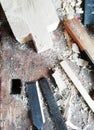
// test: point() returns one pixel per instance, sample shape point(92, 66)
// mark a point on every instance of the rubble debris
point(68, 103)
point(78, 32)
point(68, 8)
point(72, 126)
point(58, 76)
point(77, 83)
point(77, 112)
point(75, 52)
point(71, 8)
point(74, 57)
point(80, 62)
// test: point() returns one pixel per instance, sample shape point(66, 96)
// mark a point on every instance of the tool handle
point(79, 34)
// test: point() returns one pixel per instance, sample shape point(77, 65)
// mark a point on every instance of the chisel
point(53, 108)
point(32, 91)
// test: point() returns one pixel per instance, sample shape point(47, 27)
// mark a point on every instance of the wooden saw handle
point(79, 34)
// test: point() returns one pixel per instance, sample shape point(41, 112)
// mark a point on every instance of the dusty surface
point(24, 63)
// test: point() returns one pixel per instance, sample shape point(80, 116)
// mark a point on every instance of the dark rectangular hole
point(16, 86)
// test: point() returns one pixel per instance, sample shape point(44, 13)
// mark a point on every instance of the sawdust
point(72, 106)
point(71, 8)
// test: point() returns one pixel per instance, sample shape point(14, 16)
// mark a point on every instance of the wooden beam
point(32, 19)
point(71, 74)
point(78, 32)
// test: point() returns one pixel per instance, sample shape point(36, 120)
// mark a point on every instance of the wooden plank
point(78, 84)
point(78, 32)
point(36, 17)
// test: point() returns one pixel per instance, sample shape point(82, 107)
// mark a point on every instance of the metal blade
point(33, 97)
point(53, 108)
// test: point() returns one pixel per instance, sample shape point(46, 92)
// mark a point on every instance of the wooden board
point(78, 32)
point(76, 81)
point(32, 19)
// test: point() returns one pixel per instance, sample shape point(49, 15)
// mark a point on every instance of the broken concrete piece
point(71, 74)
point(30, 19)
